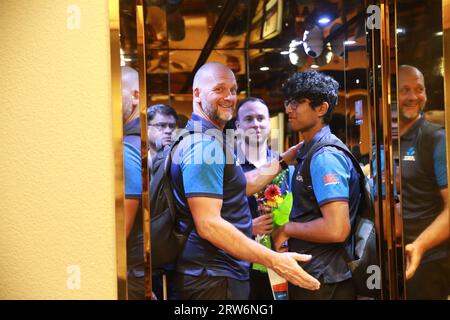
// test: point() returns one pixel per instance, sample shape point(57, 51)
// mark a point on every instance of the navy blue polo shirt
point(199, 170)
point(423, 176)
point(333, 178)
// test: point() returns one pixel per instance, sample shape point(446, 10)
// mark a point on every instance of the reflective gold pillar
point(116, 102)
point(144, 144)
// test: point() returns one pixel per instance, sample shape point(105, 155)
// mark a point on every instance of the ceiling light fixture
point(324, 20)
point(293, 57)
point(349, 42)
point(264, 68)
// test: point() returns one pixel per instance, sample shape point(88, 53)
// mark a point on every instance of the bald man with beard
point(426, 219)
point(212, 193)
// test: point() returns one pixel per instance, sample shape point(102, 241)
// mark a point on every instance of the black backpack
point(167, 241)
point(363, 228)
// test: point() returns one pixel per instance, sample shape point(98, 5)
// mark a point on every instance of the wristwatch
point(282, 163)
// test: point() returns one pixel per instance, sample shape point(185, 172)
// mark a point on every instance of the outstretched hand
point(286, 266)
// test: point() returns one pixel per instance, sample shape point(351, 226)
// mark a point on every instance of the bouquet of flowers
point(277, 197)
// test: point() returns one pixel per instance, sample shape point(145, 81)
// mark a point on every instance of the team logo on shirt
point(299, 177)
point(410, 154)
point(330, 179)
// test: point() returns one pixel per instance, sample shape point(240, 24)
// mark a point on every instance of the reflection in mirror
point(422, 156)
point(133, 91)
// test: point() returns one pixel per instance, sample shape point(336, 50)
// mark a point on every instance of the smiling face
point(215, 92)
point(412, 95)
point(254, 121)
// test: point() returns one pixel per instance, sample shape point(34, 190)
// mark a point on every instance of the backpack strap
point(167, 176)
point(167, 179)
point(306, 170)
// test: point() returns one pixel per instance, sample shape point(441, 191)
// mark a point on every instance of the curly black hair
point(314, 86)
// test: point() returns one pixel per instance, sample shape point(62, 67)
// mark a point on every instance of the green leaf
point(282, 212)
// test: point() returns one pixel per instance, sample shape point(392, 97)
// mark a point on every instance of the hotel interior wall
point(57, 158)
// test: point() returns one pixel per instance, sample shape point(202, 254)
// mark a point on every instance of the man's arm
point(131, 207)
point(211, 227)
point(330, 177)
point(436, 233)
point(258, 178)
point(133, 184)
point(332, 227)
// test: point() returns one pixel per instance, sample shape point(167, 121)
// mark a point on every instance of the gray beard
point(214, 115)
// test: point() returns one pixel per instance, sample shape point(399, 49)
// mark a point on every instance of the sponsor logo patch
point(330, 179)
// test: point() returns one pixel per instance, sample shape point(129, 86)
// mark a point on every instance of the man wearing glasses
point(325, 205)
point(161, 121)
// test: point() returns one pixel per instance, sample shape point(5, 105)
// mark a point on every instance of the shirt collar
point(325, 131)
point(198, 124)
point(270, 155)
point(132, 128)
point(412, 132)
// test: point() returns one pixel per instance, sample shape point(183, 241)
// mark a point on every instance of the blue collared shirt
point(333, 179)
point(199, 170)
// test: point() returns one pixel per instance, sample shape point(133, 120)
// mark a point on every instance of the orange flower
point(272, 191)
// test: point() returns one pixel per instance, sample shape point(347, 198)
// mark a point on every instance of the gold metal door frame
point(141, 41)
point(116, 104)
point(383, 45)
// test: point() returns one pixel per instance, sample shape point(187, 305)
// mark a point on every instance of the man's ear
point(135, 97)
point(323, 109)
point(197, 95)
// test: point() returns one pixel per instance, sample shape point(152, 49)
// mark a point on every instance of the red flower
point(272, 191)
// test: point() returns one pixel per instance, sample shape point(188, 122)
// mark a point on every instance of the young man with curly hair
point(320, 223)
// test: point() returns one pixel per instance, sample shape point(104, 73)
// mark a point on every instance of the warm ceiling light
point(324, 20)
point(401, 31)
point(293, 57)
point(440, 33)
point(264, 68)
point(314, 66)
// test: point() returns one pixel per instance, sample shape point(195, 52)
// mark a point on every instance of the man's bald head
point(407, 70)
point(130, 94)
point(214, 93)
point(208, 71)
